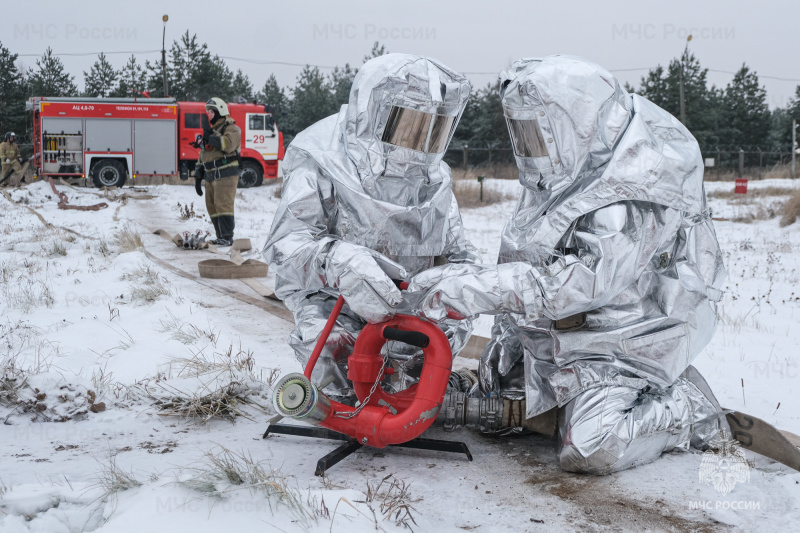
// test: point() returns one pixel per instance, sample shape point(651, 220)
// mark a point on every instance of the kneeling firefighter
point(218, 165)
point(10, 158)
point(609, 271)
point(367, 198)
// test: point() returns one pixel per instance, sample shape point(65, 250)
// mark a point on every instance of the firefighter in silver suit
point(608, 275)
point(367, 200)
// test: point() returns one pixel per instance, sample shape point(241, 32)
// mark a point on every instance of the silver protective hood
point(625, 268)
point(391, 199)
point(604, 146)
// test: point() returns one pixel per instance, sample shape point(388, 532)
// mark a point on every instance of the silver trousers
point(608, 429)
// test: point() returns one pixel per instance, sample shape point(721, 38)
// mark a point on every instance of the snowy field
point(104, 353)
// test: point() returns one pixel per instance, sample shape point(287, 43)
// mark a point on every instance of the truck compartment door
point(155, 147)
point(108, 135)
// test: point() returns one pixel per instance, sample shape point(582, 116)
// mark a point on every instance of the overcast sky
point(472, 36)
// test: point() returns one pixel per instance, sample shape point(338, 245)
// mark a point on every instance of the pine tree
point(213, 79)
point(340, 81)
point(241, 86)
point(378, 50)
point(155, 79)
point(311, 100)
point(193, 73)
point(780, 134)
point(662, 87)
point(779, 137)
point(131, 81)
point(655, 88)
point(746, 114)
point(483, 124)
point(49, 78)
point(13, 90)
point(101, 78)
point(188, 66)
point(275, 97)
point(794, 105)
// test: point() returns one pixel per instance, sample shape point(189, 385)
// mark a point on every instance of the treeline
point(728, 118)
point(733, 117)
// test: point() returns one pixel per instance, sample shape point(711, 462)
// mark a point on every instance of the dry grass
point(727, 175)
point(26, 352)
point(468, 194)
point(394, 500)
point(183, 332)
point(187, 212)
point(779, 171)
point(113, 479)
point(226, 387)
point(226, 471)
point(24, 338)
point(230, 361)
point(8, 269)
point(791, 210)
point(760, 213)
point(102, 248)
point(761, 192)
point(147, 285)
point(12, 380)
point(127, 240)
point(25, 293)
point(467, 188)
point(56, 248)
point(222, 403)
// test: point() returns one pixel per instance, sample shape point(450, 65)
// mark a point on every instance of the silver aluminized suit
point(608, 274)
point(356, 211)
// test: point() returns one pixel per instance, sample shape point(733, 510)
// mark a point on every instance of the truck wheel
point(251, 175)
point(108, 173)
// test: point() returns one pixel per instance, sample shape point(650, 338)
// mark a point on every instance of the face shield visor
point(532, 141)
point(526, 137)
point(418, 130)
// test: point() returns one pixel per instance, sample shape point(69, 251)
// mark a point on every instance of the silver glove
point(461, 291)
point(360, 274)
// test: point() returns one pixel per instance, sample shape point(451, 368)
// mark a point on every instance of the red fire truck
point(112, 139)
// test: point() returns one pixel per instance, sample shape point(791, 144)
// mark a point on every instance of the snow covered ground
point(99, 345)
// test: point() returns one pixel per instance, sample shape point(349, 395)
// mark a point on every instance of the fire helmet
point(219, 105)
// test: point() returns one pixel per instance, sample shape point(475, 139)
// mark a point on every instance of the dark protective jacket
point(219, 156)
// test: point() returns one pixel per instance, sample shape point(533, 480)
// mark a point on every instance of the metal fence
point(748, 161)
point(465, 156)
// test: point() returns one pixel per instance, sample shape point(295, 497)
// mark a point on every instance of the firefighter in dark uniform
point(218, 166)
point(10, 157)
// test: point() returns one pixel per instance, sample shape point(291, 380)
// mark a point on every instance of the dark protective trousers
point(220, 196)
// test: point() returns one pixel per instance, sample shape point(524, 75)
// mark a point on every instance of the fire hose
point(63, 202)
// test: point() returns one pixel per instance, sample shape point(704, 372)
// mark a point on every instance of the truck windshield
point(257, 122)
point(261, 122)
